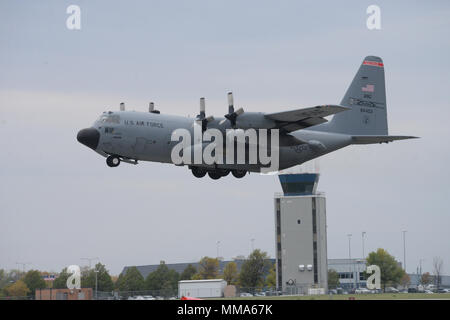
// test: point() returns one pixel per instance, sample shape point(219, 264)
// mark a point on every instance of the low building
point(350, 271)
point(211, 288)
point(64, 294)
point(145, 270)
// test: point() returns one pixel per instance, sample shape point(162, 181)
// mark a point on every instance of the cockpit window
point(109, 118)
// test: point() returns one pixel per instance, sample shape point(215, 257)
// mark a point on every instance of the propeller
point(201, 118)
point(231, 115)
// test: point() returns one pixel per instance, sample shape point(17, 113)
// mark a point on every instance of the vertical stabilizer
point(366, 97)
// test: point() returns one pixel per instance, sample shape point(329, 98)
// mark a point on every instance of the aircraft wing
point(378, 139)
point(302, 118)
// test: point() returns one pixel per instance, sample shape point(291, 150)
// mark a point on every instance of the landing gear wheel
point(198, 172)
point(239, 173)
point(113, 161)
point(214, 175)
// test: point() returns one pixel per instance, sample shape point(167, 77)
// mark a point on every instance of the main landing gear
point(217, 173)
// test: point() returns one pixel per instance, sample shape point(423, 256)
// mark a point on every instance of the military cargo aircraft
point(303, 134)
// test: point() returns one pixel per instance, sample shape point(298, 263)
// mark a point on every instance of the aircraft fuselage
point(147, 136)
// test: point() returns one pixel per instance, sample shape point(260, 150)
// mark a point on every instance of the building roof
point(179, 267)
point(202, 280)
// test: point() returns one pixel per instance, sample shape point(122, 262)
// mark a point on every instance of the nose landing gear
point(113, 161)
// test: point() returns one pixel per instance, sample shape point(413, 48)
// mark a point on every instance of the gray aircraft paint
point(147, 136)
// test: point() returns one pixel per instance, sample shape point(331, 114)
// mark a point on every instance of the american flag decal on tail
point(368, 88)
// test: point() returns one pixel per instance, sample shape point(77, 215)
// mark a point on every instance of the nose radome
point(89, 137)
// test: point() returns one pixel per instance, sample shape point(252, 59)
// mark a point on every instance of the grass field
point(380, 296)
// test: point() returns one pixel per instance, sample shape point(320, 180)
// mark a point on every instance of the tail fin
point(366, 97)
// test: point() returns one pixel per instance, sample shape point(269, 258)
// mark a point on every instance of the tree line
point(256, 272)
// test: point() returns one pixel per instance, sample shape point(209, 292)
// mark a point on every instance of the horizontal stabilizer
point(303, 118)
point(378, 139)
point(301, 114)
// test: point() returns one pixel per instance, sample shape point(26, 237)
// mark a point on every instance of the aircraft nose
point(89, 137)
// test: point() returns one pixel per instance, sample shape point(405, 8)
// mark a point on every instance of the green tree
point(17, 289)
point(132, 280)
point(333, 279)
point(230, 273)
point(34, 280)
point(6, 278)
point(104, 281)
point(271, 280)
point(208, 268)
point(61, 281)
point(162, 281)
point(188, 273)
point(391, 272)
point(254, 269)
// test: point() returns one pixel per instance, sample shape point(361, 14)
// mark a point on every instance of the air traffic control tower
point(301, 235)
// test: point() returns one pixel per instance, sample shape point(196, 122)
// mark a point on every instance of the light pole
point(419, 272)
point(349, 248)
point(96, 287)
point(217, 244)
point(90, 261)
point(253, 244)
point(363, 234)
point(350, 255)
point(404, 249)
point(23, 265)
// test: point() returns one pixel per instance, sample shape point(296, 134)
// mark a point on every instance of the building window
point(314, 218)
point(345, 275)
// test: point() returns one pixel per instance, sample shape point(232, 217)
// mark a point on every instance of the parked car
point(412, 290)
point(376, 291)
point(404, 291)
point(443, 290)
point(392, 290)
point(246, 294)
point(341, 291)
point(362, 290)
point(428, 291)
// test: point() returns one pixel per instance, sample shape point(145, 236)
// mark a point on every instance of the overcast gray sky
point(59, 202)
